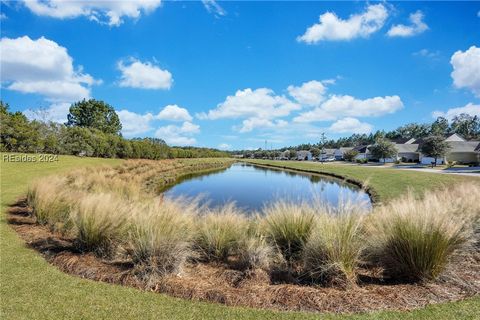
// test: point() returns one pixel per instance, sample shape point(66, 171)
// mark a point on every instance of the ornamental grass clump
point(413, 239)
point(160, 236)
point(100, 221)
point(51, 203)
point(220, 232)
point(287, 226)
point(333, 249)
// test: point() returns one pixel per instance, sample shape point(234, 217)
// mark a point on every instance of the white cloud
point(224, 146)
point(350, 125)
point(417, 26)
point(56, 112)
point(178, 135)
point(259, 103)
point(331, 27)
point(348, 106)
point(213, 7)
point(105, 12)
point(466, 69)
point(174, 113)
point(42, 67)
point(427, 53)
point(250, 124)
point(134, 124)
point(3, 16)
point(471, 109)
point(309, 93)
point(144, 75)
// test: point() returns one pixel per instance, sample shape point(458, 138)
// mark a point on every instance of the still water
point(251, 187)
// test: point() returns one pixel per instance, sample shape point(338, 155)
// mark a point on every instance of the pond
point(251, 187)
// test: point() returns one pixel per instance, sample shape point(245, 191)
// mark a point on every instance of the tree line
point(464, 124)
point(92, 129)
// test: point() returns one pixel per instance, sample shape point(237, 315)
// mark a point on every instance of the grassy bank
point(385, 183)
point(32, 289)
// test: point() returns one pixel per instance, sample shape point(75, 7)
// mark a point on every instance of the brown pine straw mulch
point(217, 283)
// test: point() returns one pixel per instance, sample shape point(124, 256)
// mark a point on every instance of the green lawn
point(387, 183)
point(30, 288)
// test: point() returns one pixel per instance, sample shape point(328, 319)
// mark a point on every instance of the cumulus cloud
point(174, 113)
point(471, 109)
point(42, 67)
point(350, 125)
point(309, 93)
point(259, 103)
point(143, 75)
point(105, 12)
point(224, 146)
point(213, 7)
point(466, 69)
point(134, 124)
point(347, 106)
point(250, 124)
point(178, 135)
point(416, 26)
point(331, 27)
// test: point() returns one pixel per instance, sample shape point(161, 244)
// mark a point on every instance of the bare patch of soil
point(252, 288)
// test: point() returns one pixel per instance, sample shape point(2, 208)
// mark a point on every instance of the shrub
point(350, 155)
point(100, 221)
point(451, 164)
point(220, 232)
point(333, 250)
point(414, 239)
point(160, 238)
point(288, 226)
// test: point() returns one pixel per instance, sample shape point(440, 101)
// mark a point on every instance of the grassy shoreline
point(33, 289)
point(382, 184)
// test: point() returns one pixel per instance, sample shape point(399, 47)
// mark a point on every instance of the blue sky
point(234, 74)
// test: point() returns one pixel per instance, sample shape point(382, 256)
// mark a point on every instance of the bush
point(451, 164)
point(287, 227)
point(100, 221)
point(414, 239)
point(350, 155)
point(220, 232)
point(333, 250)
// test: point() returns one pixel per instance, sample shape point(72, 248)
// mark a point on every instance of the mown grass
point(32, 289)
point(386, 183)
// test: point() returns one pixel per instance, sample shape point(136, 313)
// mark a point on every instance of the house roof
point(328, 151)
point(455, 137)
point(464, 146)
point(303, 152)
point(406, 148)
point(361, 149)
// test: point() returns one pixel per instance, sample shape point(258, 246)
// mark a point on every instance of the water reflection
point(251, 187)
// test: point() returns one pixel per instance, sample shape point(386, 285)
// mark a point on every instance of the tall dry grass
point(100, 222)
point(288, 226)
point(161, 236)
point(220, 231)
point(333, 250)
point(51, 202)
point(414, 239)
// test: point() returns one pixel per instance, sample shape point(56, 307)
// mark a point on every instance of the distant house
point(304, 155)
point(285, 155)
point(327, 153)
point(338, 153)
point(408, 152)
point(363, 153)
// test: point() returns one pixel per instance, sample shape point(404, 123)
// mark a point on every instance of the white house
point(304, 155)
point(338, 153)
